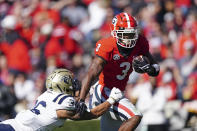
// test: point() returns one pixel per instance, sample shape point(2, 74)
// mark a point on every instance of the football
point(141, 58)
point(140, 63)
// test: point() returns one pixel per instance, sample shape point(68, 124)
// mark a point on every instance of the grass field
point(90, 125)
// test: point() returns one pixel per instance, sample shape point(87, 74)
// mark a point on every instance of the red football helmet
point(124, 28)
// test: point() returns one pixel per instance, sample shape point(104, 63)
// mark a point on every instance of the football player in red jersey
point(113, 63)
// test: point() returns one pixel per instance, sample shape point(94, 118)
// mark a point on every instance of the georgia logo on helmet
point(125, 30)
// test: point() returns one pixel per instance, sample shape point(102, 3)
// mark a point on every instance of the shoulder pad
point(65, 102)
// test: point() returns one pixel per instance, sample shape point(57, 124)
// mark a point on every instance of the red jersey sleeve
point(144, 45)
point(103, 49)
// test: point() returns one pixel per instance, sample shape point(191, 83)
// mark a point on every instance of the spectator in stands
point(74, 12)
point(186, 36)
point(97, 13)
point(169, 85)
point(151, 102)
point(4, 73)
point(190, 89)
point(183, 62)
point(7, 102)
point(14, 47)
point(23, 88)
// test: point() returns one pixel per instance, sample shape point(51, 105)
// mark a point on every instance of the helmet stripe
point(59, 88)
point(128, 21)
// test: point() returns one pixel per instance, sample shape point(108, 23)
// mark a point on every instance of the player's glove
point(153, 70)
point(80, 107)
point(141, 64)
point(115, 95)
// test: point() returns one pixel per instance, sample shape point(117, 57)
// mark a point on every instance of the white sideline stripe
point(128, 21)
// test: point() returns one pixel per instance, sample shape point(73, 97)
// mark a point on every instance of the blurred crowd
point(37, 36)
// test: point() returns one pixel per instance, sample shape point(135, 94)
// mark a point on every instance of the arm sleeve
point(144, 45)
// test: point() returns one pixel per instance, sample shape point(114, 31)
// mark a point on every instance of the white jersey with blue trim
point(43, 116)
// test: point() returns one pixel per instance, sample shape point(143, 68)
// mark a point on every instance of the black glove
point(153, 70)
point(76, 85)
point(149, 69)
point(140, 65)
point(80, 107)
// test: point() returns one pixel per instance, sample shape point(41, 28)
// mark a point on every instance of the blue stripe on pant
point(6, 127)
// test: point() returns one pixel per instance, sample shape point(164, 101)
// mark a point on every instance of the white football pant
point(117, 114)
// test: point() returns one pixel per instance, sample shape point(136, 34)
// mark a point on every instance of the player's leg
point(122, 115)
point(130, 116)
point(6, 127)
point(109, 124)
point(123, 111)
point(130, 124)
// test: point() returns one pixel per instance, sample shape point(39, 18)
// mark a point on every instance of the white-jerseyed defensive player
point(56, 105)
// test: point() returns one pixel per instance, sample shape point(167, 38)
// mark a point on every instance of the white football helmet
point(62, 81)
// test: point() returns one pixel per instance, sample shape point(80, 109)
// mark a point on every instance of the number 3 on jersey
point(127, 66)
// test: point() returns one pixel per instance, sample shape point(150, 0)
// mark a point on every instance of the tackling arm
point(64, 114)
point(87, 115)
point(94, 113)
point(115, 95)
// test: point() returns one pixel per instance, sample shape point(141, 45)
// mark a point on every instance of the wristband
point(111, 100)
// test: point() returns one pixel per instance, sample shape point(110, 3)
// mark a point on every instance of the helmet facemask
point(126, 38)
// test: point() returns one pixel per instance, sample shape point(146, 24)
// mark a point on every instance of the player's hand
point(115, 95)
point(141, 64)
point(80, 107)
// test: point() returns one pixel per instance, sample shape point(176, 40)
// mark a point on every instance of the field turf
point(90, 125)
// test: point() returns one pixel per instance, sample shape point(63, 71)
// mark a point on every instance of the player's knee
point(137, 116)
point(131, 124)
point(136, 119)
